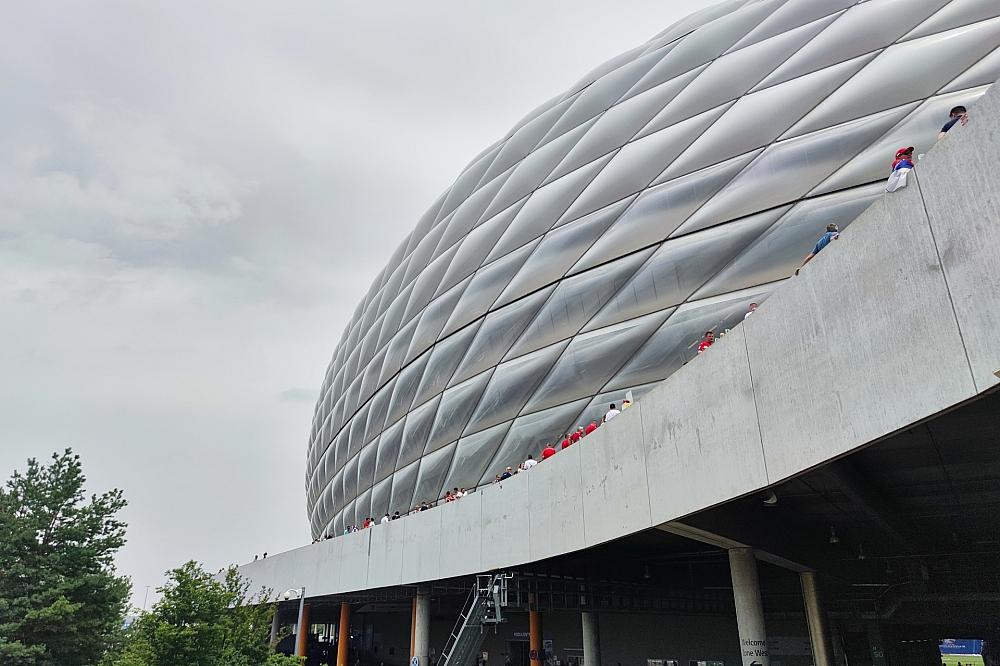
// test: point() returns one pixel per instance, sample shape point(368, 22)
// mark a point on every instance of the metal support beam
point(302, 630)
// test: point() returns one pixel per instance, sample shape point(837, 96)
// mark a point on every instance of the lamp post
point(300, 635)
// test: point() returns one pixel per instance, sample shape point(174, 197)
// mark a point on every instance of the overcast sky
point(194, 196)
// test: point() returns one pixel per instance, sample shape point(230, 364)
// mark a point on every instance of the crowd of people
point(549, 450)
point(899, 168)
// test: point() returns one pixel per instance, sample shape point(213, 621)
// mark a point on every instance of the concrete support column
point(275, 625)
point(302, 632)
point(344, 634)
point(819, 635)
point(422, 627)
point(591, 639)
point(535, 638)
point(749, 609)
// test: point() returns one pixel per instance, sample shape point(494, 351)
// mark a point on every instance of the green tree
point(61, 602)
point(204, 620)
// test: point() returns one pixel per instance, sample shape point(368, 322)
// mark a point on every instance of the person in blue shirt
point(956, 115)
point(832, 234)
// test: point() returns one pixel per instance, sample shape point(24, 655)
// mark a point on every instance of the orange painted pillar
point(535, 638)
point(413, 628)
point(344, 634)
point(302, 633)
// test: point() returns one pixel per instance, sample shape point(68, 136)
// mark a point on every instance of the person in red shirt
point(591, 427)
point(577, 434)
point(566, 441)
point(548, 451)
point(706, 341)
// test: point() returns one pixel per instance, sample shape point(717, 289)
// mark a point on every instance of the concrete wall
point(894, 322)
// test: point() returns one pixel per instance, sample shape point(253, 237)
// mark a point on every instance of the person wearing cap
point(904, 159)
point(957, 114)
point(832, 234)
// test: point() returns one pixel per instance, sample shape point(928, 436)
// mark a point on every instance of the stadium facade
point(581, 256)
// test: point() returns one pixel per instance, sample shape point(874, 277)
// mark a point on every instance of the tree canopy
point(61, 601)
point(204, 620)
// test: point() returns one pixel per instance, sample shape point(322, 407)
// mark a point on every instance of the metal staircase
point(482, 609)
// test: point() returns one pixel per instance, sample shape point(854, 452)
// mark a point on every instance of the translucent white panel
point(559, 250)
point(526, 138)
point(920, 129)
point(660, 210)
point(432, 320)
point(510, 386)
point(790, 15)
point(498, 332)
point(420, 257)
point(476, 246)
point(379, 409)
point(473, 454)
point(357, 428)
point(545, 206)
point(426, 285)
point(388, 450)
point(530, 434)
point(366, 466)
point(697, 19)
point(406, 388)
point(603, 93)
point(591, 360)
point(467, 181)
point(428, 220)
point(759, 118)
point(363, 506)
point(575, 301)
point(381, 494)
point(388, 293)
point(903, 73)
point(430, 478)
point(620, 123)
point(611, 67)
point(470, 213)
point(444, 359)
point(956, 13)
point(676, 342)
point(863, 28)
point(533, 169)
point(705, 44)
point(787, 170)
point(732, 75)
point(349, 516)
point(455, 410)
point(984, 72)
point(394, 316)
point(680, 267)
point(368, 343)
point(639, 162)
point(370, 380)
point(777, 253)
point(415, 432)
point(484, 288)
point(351, 479)
point(396, 351)
point(537, 111)
point(403, 483)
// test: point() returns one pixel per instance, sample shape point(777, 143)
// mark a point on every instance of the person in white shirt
point(385, 519)
point(753, 307)
point(529, 463)
point(612, 413)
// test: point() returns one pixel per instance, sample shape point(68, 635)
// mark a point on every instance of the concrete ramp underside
point(895, 322)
